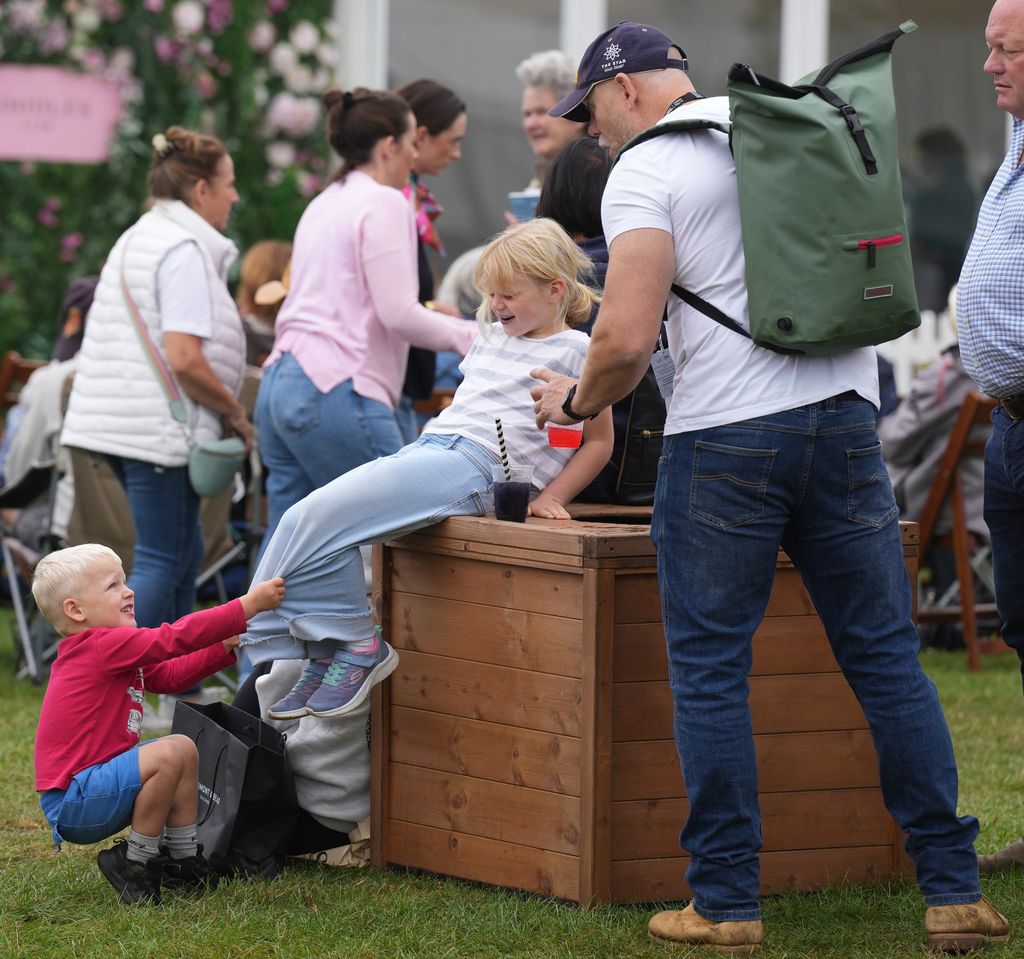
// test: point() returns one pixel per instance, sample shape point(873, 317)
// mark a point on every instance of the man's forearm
point(608, 376)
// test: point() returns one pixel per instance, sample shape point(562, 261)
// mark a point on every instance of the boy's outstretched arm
point(263, 596)
point(588, 461)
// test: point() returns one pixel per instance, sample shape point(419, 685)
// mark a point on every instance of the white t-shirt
point(183, 293)
point(497, 384)
point(685, 185)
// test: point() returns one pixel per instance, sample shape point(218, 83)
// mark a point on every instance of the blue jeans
point(812, 480)
point(316, 546)
point(168, 539)
point(1004, 514)
point(308, 438)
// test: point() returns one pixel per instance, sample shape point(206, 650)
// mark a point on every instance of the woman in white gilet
point(164, 281)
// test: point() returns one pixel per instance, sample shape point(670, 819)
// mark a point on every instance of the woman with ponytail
point(331, 385)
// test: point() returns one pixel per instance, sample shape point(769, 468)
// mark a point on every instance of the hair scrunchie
point(162, 145)
point(347, 100)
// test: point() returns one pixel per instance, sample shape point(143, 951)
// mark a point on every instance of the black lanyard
point(685, 98)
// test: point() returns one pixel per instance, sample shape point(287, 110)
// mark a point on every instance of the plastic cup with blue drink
point(512, 487)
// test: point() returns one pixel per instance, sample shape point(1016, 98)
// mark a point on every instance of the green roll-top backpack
point(828, 264)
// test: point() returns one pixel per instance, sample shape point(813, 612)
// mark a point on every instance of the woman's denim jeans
point(316, 546)
point(308, 438)
point(811, 480)
point(1004, 515)
point(168, 539)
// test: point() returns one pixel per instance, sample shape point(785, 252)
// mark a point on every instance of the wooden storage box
point(525, 738)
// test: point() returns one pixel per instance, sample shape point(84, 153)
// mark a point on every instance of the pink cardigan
point(351, 310)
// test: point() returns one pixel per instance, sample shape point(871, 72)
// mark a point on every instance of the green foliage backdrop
point(248, 71)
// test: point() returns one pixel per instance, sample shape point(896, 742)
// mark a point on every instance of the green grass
point(60, 906)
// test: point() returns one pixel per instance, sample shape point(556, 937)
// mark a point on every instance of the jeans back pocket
point(870, 499)
point(729, 483)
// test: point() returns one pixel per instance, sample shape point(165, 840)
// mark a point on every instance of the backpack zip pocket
point(871, 245)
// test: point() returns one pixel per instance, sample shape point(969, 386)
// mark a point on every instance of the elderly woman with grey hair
point(546, 77)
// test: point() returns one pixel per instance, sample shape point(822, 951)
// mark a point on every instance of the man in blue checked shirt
point(990, 317)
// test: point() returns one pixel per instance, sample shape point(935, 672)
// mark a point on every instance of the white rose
point(122, 61)
point(280, 154)
point(283, 58)
point(305, 116)
point(86, 19)
point(262, 36)
point(188, 17)
point(304, 36)
point(327, 54)
point(299, 79)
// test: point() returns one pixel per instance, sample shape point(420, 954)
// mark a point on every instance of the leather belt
point(1014, 406)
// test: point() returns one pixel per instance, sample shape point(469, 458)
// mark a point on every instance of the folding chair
point(14, 372)
point(35, 639)
point(948, 487)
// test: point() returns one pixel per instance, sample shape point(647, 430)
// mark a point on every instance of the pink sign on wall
point(56, 116)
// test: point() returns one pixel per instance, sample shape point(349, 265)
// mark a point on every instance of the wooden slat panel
point(783, 644)
point(476, 807)
point(821, 819)
point(486, 634)
point(661, 880)
point(637, 599)
point(596, 737)
point(786, 762)
point(495, 694)
point(507, 754)
point(779, 704)
point(482, 860)
point(510, 587)
point(600, 541)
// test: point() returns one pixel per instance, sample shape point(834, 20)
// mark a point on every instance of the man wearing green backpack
point(990, 319)
point(762, 449)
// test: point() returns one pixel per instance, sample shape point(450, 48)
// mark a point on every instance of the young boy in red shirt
point(93, 776)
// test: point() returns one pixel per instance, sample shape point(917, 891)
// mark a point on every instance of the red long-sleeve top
point(92, 710)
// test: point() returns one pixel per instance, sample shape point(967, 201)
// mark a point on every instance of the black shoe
point(191, 874)
point(135, 882)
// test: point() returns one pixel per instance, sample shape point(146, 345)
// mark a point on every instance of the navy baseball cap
point(627, 47)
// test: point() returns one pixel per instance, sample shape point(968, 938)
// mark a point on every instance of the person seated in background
point(263, 269)
point(32, 432)
point(100, 780)
point(914, 438)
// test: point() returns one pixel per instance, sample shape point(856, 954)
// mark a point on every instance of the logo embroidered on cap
point(612, 57)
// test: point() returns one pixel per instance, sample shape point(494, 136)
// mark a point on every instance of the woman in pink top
point(334, 378)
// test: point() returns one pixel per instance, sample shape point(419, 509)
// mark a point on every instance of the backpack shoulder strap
point(681, 125)
point(698, 303)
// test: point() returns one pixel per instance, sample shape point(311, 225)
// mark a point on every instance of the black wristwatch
point(569, 411)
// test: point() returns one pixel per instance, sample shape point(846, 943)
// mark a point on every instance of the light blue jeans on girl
point(316, 544)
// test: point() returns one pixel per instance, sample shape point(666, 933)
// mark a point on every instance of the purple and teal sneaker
point(293, 705)
point(349, 679)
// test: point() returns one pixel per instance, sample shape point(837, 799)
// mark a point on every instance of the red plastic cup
point(565, 437)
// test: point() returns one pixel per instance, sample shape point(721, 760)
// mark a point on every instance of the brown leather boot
point(687, 927)
point(964, 928)
point(1006, 858)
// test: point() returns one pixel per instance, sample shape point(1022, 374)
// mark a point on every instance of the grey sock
point(142, 848)
point(181, 841)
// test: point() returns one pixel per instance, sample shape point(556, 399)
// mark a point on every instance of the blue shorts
point(97, 803)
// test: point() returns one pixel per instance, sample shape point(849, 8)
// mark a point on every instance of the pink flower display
point(69, 245)
point(165, 48)
point(153, 6)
